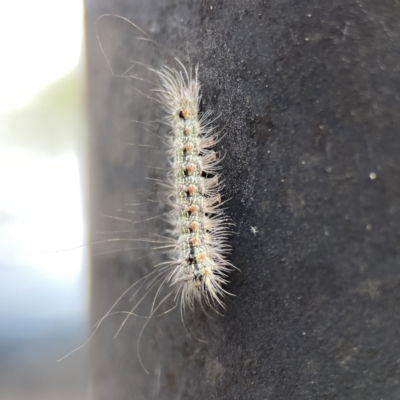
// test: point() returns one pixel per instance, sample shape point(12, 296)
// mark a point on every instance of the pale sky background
point(40, 41)
point(43, 286)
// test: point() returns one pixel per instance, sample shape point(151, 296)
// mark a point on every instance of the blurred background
point(43, 278)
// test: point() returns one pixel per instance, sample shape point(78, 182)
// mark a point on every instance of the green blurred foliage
point(52, 122)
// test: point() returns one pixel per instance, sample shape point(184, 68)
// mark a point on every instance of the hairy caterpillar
point(197, 268)
point(198, 258)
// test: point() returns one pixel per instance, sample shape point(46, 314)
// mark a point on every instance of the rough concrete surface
point(308, 93)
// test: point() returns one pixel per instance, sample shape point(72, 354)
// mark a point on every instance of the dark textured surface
point(309, 92)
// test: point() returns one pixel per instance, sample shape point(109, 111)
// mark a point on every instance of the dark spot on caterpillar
point(184, 113)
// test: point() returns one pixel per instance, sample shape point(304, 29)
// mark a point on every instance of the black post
point(309, 94)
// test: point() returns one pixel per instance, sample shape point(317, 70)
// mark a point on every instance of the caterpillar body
point(199, 266)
